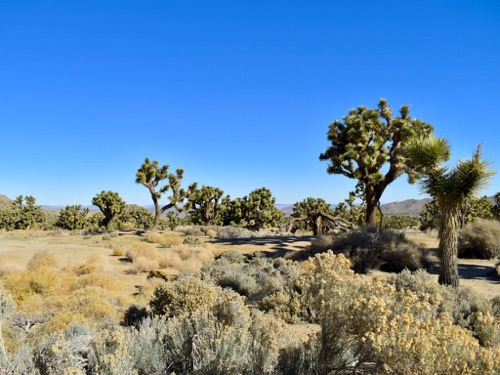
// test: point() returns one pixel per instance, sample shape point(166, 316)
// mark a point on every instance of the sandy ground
point(16, 249)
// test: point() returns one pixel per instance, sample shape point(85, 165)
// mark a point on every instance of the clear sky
point(238, 93)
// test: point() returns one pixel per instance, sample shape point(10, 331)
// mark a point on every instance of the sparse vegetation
point(239, 313)
point(369, 249)
point(480, 239)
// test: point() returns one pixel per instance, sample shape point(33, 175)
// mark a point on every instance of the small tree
point(364, 142)
point(150, 174)
point(451, 189)
point(110, 204)
point(140, 217)
point(26, 215)
point(316, 215)
point(205, 204)
point(254, 212)
point(73, 217)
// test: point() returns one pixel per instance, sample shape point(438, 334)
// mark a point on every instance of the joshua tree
point(451, 188)
point(110, 204)
point(150, 174)
point(317, 215)
point(364, 142)
point(254, 211)
point(204, 204)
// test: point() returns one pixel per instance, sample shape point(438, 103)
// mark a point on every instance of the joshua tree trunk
point(448, 245)
point(156, 220)
point(371, 213)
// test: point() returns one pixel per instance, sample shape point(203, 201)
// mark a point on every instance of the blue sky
point(238, 93)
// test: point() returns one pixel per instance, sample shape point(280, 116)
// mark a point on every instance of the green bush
point(272, 285)
point(369, 249)
point(480, 239)
point(182, 296)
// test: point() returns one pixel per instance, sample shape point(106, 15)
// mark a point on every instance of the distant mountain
point(5, 202)
point(410, 207)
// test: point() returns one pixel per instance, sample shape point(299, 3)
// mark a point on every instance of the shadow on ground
point(272, 246)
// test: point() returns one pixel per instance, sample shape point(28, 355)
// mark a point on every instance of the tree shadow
point(272, 246)
point(475, 271)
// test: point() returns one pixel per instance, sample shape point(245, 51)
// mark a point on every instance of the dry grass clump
point(184, 258)
point(96, 262)
point(170, 241)
point(118, 251)
point(480, 239)
point(9, 268)
point(170, 260)
point(154, 237)
point(41, 260)
point(145, 264)
point(24, 284)
point(212, 233)
point(104, 281)
point(142, 250)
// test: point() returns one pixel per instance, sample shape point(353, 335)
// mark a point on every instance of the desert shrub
point(224, 337)
point(370, 326)
point(154, 237)
point(20, 361)
point(170, 260)
point(212, 233)
point(231, 232)
point(25, 284)
point(103, 281)
point(193, 231)
point(106, 237)
point(272, 285)
point(96, 262)
point(142, 250)
point(83, 268)
point(118, 251)
point(480, 239)
point(461, 304)
point(369, 249)
point(144, 264)
point(42, 259)
point(8, 268)
point(181, 296)
point(64, 353)
point(170, 240)
point(191, 241)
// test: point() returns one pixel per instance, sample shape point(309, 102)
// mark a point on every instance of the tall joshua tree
point(111, 206)
point(150, 174)
point(451, 188)
point(364, 142)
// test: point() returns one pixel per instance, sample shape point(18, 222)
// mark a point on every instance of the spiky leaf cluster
point(205, 204)
point(150, 174)
point(23, 214)
point(110, 204)
point(368, 139)
point(73, 217)
point(255, 211)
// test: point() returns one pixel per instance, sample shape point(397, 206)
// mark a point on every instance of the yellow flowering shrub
point(373, 325)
